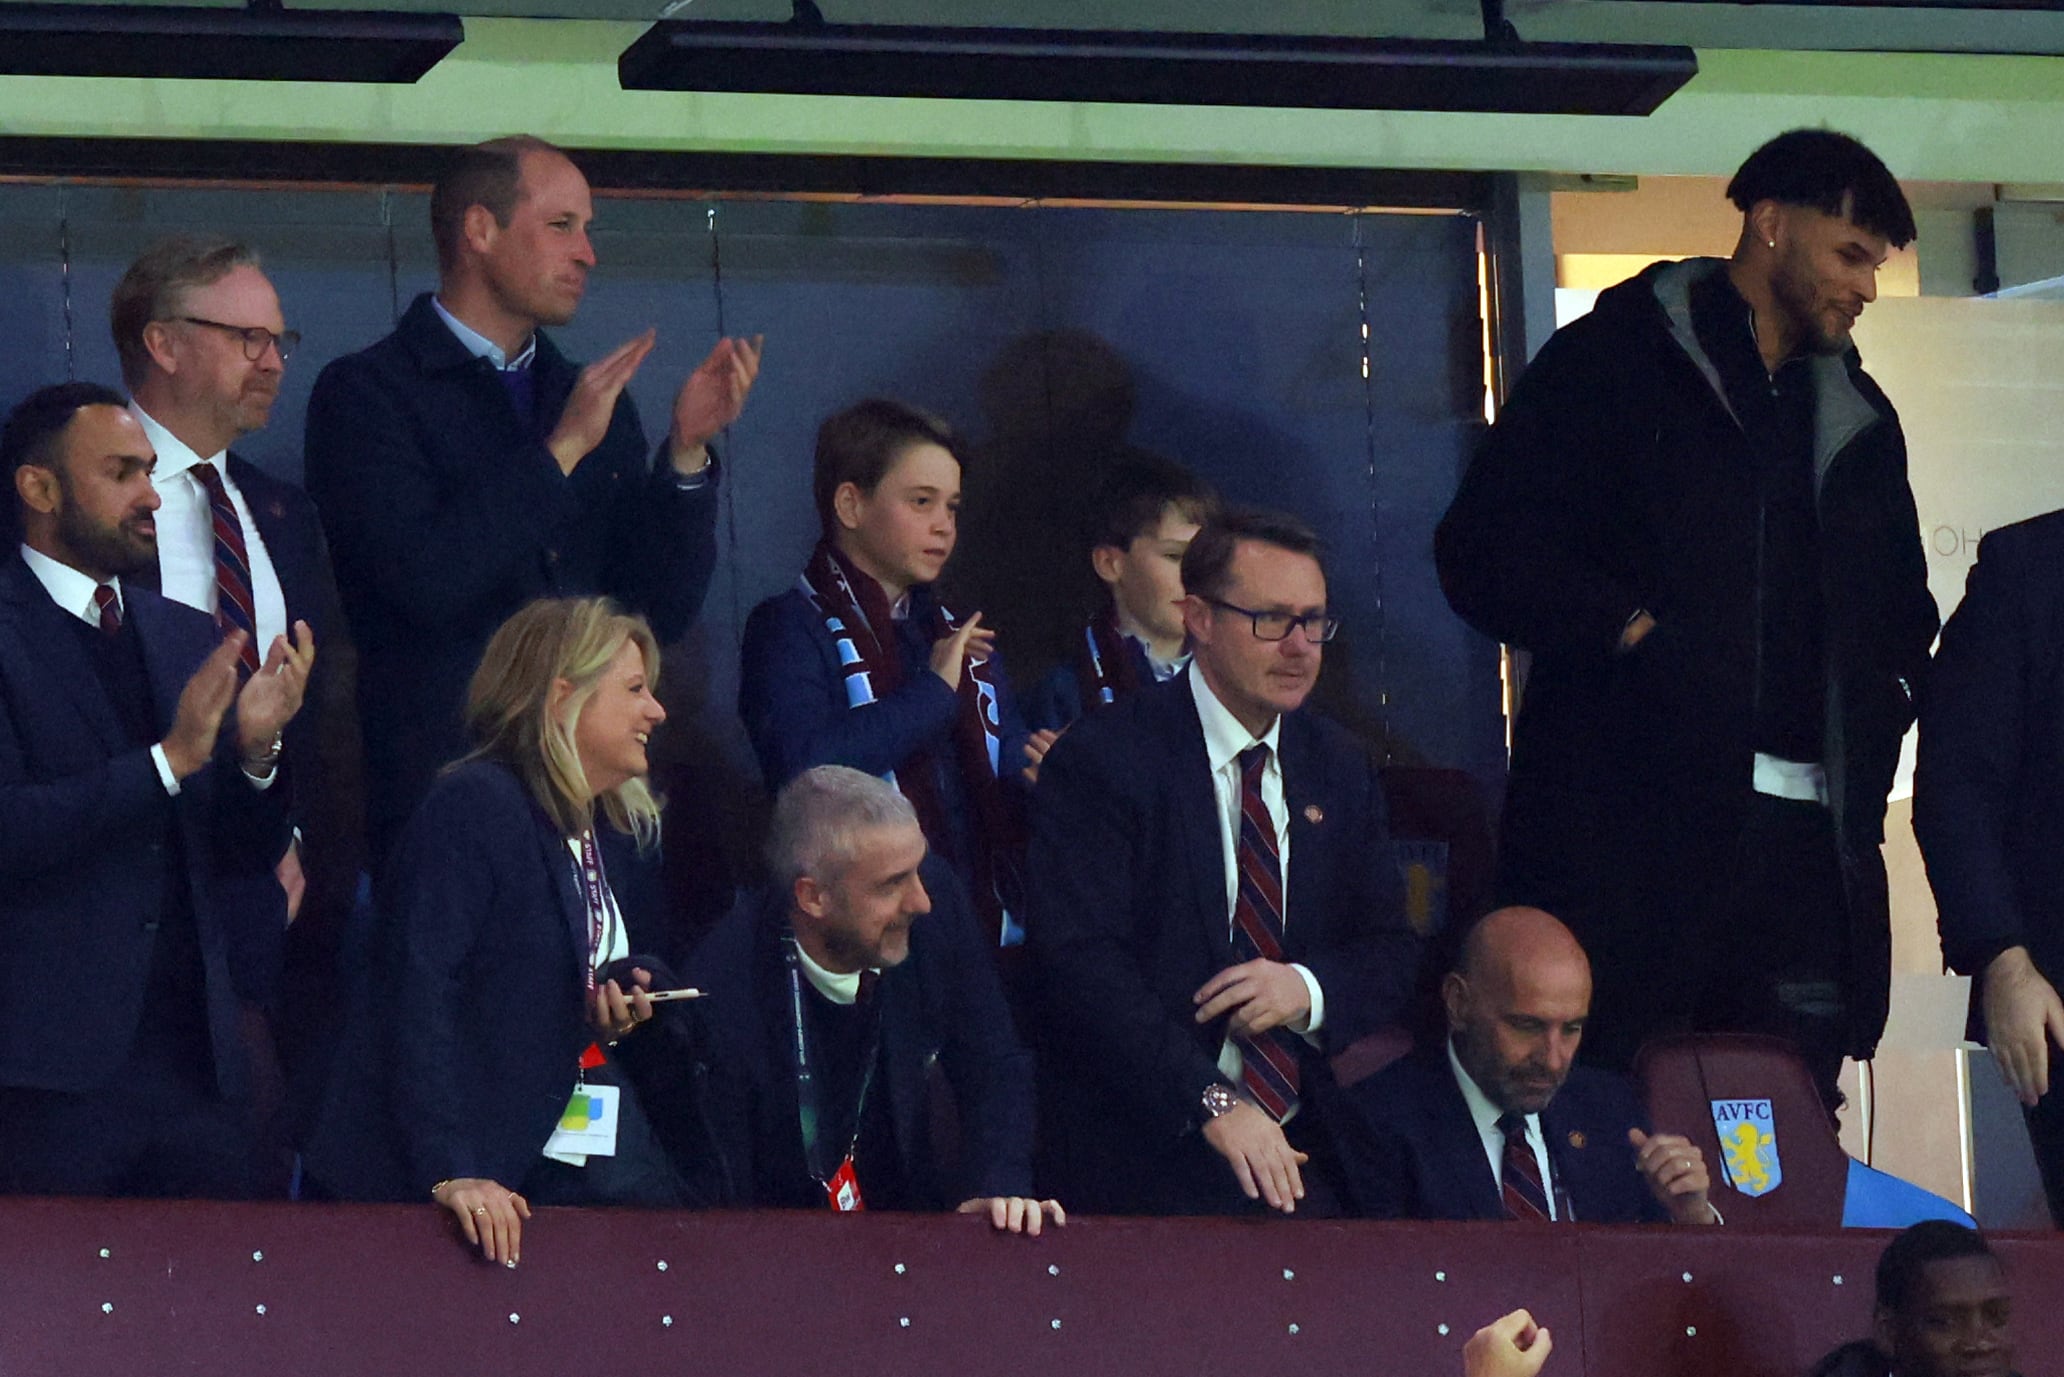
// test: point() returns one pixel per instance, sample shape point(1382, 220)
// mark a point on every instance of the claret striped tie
point(1269, 1070)
point(1525, 1196)
point(234, 609)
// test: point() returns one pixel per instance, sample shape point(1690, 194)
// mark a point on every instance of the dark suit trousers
point(158, 1127)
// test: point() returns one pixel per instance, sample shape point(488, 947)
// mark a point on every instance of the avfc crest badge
point(1748, 1145)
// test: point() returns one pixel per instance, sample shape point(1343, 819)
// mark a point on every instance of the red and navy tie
point(1268, 1069)
point(1525, 1197)
point(234, 609)
point(109, 607)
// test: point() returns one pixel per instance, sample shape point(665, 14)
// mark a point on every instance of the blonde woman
point(483, 1070)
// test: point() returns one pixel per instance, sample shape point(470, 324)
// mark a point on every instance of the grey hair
point(819, 815)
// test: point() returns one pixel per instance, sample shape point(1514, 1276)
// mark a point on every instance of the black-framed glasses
point(1319, 627)
point(256, 338)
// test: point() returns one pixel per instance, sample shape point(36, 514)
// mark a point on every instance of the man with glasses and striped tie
point(203, 346)
point(1498, 1122)
point(1214, 909)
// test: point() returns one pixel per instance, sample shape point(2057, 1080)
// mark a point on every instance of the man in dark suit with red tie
point(1497, 1121)
point(204, 344)
point(1214, 907)
point(138, 803)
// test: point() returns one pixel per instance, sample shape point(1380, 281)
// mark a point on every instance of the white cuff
point(262, 782)
point(1317, 1019)
point(165, 775)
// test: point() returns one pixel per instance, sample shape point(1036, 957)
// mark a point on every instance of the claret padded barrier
point(102, 1287)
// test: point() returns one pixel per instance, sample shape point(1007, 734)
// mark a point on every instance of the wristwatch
point(1218, 1098)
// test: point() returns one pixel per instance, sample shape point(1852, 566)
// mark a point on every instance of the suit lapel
point(573, 906)
point(1194, 801)
point(1309, 831)
point(166, 662)
point(43, 627)
point(1459, 1142)
point(269, 514)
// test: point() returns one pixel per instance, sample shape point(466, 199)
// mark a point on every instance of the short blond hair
point(509, 716)
point(156, 285)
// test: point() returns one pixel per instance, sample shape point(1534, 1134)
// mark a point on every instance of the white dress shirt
point(1486, 1116)
point(186, 534)
point(1224, 740)
point(840, 987)
point(74, 592)
point(616, 942)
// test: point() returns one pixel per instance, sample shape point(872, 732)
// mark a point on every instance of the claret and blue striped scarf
point(857, 614)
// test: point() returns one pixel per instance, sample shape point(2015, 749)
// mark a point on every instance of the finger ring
point(480, 1209)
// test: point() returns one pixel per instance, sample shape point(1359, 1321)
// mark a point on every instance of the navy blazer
point(1128, 917)
point(79, 873)
point(461, 1047)
point(792, 695)
point(1989, 782)
point(323, 751)
point(943, 1004)
point(1410, 1150)
point(446, 514)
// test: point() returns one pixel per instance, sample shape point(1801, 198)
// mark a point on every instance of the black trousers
point(2046, 1133)
point(1781, 968)
point(155, 1129)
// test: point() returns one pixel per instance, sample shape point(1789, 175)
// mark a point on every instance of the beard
point(121, 550)
point(1792, 292)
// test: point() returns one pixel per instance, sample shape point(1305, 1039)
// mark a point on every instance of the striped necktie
point(1269, 1071)
point(1525, 1195)
point(234, 609)
point(109, 607)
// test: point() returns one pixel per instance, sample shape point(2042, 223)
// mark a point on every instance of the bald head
point(1516, 1006)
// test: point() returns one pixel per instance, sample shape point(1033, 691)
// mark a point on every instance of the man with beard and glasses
point(137, 815)
point(1499, 1122)
point(1693, 516)
point(203, 345)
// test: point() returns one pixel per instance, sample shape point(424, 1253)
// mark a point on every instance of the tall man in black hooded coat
point(1693, 515)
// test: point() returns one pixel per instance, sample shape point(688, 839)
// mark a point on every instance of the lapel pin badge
point(1313, 813)
point(1577, 1139)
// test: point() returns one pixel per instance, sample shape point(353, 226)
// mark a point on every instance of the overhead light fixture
point(261, 43)
point(1503, 76)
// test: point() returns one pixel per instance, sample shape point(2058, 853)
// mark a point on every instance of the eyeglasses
point(256, 338)
point(1319, 628)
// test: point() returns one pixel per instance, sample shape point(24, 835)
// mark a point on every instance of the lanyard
point(808, 1102)
point(602, 916)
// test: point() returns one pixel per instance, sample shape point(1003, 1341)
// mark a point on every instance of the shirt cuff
point(1317, 1019)
point(165, 775)
point(262, 782)
point(689, 482)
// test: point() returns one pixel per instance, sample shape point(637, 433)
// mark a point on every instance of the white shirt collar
point(839, 988)
point(175, 456)
point(1163, 670)
point(68, 588)
point(1481, 1109)
point(479, 345)
point(1224, 737)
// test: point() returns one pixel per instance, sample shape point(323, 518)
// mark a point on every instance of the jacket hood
point(1661, 294)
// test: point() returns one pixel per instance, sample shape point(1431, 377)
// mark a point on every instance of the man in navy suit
point(1989, 811)
point(136, 806)
point(1214, 907)
point(831, 994)
point(1498, 1122)
point(464, 466)
point(203, 345)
